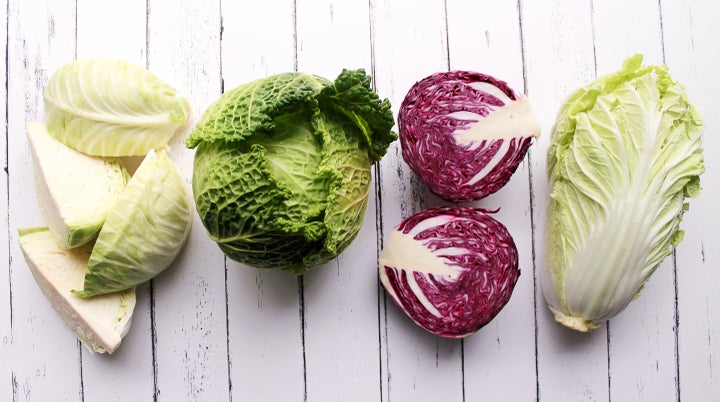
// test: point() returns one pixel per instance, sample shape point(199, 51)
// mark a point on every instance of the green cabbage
point(282, 167)
point(625, 155)
point(110, 107)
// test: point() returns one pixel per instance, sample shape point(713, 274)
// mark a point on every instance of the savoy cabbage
point(282, 166)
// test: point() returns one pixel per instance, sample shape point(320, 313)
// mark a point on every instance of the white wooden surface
point(209, 329)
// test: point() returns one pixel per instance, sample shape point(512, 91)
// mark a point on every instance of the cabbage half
point(625, 155)
point(144, 232)
point(450, 269)
point(465, 133)
point(282, 167)
point(109, 107)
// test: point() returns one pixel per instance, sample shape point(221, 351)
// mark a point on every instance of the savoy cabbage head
point(282, 166)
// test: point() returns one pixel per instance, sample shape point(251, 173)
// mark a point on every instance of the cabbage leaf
point(625, 155)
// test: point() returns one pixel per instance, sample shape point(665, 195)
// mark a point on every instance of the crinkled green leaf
point(253, 107)
point(353, 96)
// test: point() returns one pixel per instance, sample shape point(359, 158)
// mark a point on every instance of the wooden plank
point(189, 299)
point(117, 30)
point(6, 385)
point(114, 30)
point(558, 43)
point(45, 353)
point(484, 36)
point(266, 348)
point(641, 344)
point(409, 43)
point(341, 296)
point(689, 32)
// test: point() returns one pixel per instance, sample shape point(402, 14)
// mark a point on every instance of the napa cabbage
point(625, 156)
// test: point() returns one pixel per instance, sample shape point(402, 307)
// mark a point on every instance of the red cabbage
point(464, 133)
point(450, 269)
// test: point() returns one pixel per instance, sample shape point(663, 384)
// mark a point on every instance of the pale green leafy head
point(625, 154)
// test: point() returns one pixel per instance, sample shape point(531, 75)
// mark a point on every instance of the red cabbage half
point(450, 269)
point(465, 133)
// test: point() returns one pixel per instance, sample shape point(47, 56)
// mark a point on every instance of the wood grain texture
point(265, 317)
point(118, 30)
point(6, 372)
point(189, 301)
point(559, 55)
point(688, 29)
point(41, 37)
point(213, 329)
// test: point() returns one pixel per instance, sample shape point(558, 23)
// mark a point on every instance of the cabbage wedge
point(625, 156)
point(146, 230)
point(110, 107)
point(100, 322)
point(74, 213)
